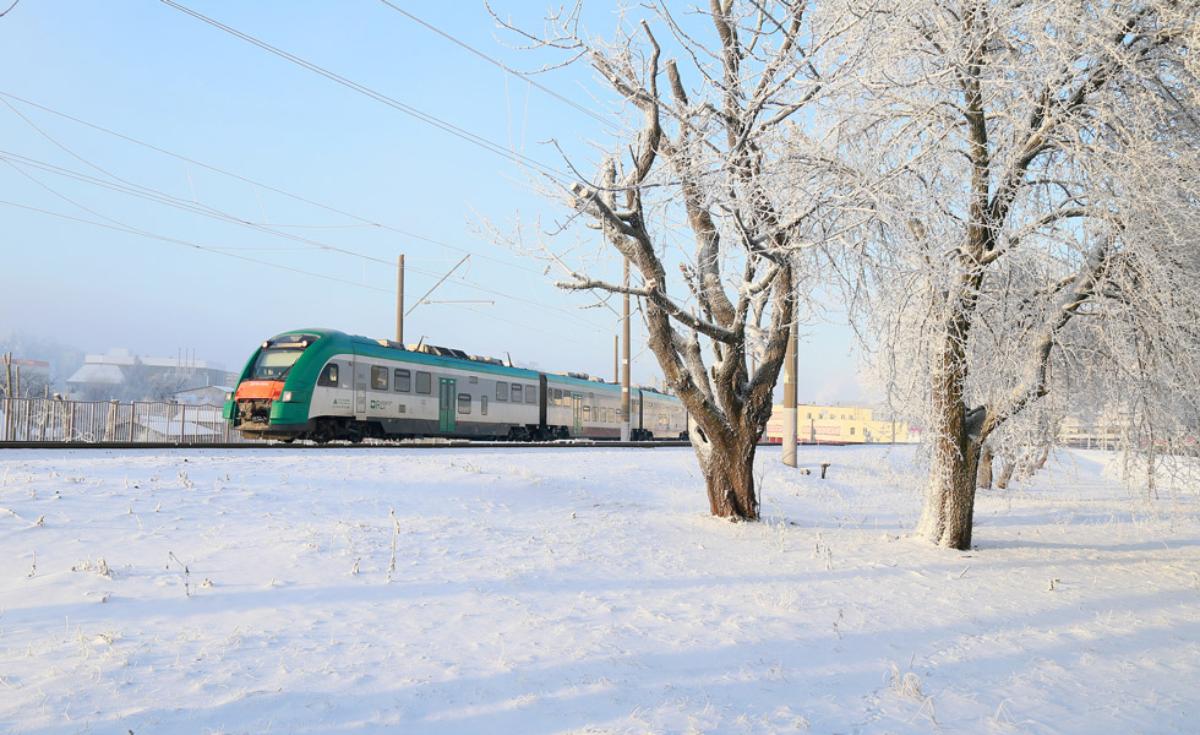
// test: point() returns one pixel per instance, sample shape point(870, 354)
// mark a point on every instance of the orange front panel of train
point(269, 389)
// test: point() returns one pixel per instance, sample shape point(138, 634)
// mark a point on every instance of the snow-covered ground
point(578, 590)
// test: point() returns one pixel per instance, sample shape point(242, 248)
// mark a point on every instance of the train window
point(379, 377)
point(464, 403)
point(501, 390)
point(483, 405)
point(329, 376)
point(424, 382)
point(530, 394)
point(587, 412)
point(403, 381)
point(558, 396)
point(517, 394)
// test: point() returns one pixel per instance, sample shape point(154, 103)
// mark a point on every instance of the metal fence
point(54, 420)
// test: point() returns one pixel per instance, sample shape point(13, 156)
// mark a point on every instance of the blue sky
point(155, 74)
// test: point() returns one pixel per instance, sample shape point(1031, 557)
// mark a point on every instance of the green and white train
point(323, 385)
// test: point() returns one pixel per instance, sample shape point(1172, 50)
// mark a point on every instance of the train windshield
point(274, 363)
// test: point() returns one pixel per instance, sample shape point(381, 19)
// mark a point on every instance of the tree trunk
point(950, 495)
point(727, 463)
point(1040, 462)
point(1006, 473)
point(984, 475)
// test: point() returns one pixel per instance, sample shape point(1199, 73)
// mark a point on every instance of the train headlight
point(229, 396)
point(287, 396)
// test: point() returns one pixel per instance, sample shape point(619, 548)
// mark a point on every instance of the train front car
point(272, 397)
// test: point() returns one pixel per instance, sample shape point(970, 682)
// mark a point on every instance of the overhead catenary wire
point(366, 221)
point(195, 206)
point(216, 250)
point(185, 243)
point(428, 118)
point(606, 121)
point(205, 211)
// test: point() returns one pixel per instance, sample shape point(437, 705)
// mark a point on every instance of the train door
point(361, 376)
point(577, 413)
point(446, 398)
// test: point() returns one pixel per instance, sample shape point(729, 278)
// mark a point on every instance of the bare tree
point(722, 142)
point(1039, 232)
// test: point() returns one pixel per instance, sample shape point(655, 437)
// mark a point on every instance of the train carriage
point(322, 384)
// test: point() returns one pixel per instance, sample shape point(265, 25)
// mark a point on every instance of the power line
point(154, 195)
point(239, 177)
point(162, 198)
point(120, 227)
point(607, 122)
point(223, 251)
point(407, 109)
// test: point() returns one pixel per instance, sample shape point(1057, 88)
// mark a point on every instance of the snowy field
point(574, 590)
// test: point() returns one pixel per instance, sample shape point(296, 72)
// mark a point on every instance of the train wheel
point(323, 432)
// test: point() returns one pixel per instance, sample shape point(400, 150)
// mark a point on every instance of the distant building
point(206, 395)
point(839, 425)
point(122, 375)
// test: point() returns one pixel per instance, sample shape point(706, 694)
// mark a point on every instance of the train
point(325, 385)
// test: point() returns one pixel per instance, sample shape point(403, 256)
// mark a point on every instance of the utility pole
point(616, 358)
point(625, 417)
point(789, 398)
point(400, 299)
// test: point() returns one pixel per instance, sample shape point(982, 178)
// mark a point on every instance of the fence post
point(110, 422)
point(182, 422)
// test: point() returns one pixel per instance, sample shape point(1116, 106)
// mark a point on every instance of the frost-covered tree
point(1038, 231)
point(723, 147)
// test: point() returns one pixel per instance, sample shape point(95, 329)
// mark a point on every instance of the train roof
point(436, 355)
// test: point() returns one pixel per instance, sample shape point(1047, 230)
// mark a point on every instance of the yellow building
point(838, 425)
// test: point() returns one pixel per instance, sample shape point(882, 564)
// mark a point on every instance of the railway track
point(365, 445)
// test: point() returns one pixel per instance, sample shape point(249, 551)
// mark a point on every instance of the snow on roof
point(198, 388)
point(96, 373)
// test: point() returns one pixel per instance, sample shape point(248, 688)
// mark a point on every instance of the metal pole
point(440, 282)
point(616, 358)
point(400, 299)
point(789, 398)
point(625, 417)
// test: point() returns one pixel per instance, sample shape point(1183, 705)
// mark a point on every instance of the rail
point(365, 445)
